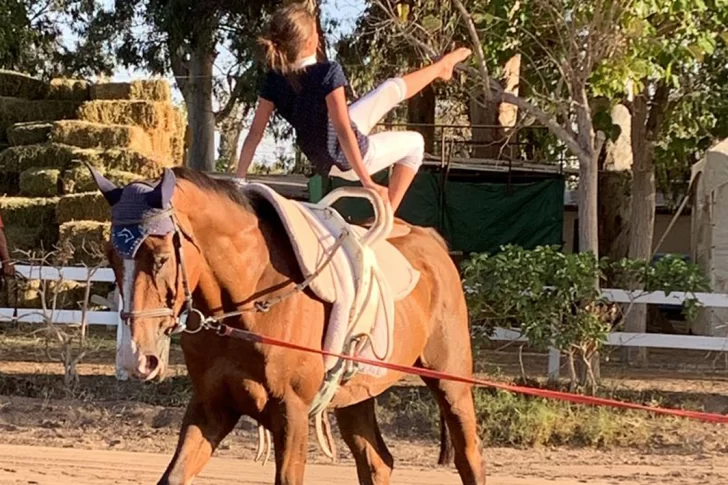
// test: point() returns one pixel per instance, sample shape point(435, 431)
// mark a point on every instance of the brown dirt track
point(59, 466)
point(108, 437)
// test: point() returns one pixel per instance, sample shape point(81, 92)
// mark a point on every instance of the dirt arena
point(64, 466)
point(107, 437)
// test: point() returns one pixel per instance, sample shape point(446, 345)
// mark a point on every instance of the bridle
point(180, 324)
point(212, 322)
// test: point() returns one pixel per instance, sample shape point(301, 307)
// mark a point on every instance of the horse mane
point(218, 186)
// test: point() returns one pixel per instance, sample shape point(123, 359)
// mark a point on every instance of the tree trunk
point(646, 122)
point(200, 114)
point(588, 171)
point(486, 140)
point(615, 186)
point(421, 111)
point(614, 210)
point(231, 130)
point(588, 211)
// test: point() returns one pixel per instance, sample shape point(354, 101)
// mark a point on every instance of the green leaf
point(697, 52)
point(483, 18)
point(431, 23)
point(707, 44)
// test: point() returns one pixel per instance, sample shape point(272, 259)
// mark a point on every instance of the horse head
point(147, 253)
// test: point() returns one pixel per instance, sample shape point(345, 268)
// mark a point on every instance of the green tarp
point(475, 217)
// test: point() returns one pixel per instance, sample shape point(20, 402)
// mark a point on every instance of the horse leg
point(289, 421)
point(203, 428)
point(456, 405)
point(359, 428)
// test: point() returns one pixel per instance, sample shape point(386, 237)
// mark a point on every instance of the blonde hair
point(290, 29)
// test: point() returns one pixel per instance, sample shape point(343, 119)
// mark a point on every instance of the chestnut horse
point(208, 248)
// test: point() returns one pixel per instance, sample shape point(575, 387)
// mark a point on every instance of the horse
point(189, 244)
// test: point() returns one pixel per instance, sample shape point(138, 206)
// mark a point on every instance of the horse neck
point(234, 244)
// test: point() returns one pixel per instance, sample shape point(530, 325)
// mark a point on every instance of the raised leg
point(418, 80)
point(203, 428)
point(358, 426)
point(289, 421)
point(370, 109)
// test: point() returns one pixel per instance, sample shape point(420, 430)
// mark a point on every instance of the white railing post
point(554, 363)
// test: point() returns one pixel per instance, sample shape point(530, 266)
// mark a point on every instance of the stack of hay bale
point(128, 131)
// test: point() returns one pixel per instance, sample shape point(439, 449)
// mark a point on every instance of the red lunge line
point(544, 393)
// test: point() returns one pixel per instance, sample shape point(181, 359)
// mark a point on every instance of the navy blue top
point(301, 99)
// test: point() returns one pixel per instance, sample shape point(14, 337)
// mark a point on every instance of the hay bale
point(143, 90)
point(84, 134)
point(56, 155)
point(86, 206)
point(16, 110)
point(123, 160)
point(69, 90)
point(18, 85)
point(87, 239)
point(21, 238)
point(28, 212)
point(28, 294)
point(122, 179)
point(9, 184)
point(41, 155)
point(39, 182)
point(78, 179)
point(149, 115)
point(29, 133)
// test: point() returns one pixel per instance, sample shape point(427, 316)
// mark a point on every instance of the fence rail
point(112, 317)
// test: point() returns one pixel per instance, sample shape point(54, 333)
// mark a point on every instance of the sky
point(345, 12)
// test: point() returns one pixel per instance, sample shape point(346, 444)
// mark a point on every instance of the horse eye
point(160, 261)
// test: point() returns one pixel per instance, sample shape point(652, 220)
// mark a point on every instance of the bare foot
point(449, 61)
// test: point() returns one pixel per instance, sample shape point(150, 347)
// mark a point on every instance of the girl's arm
point(257, 129)
point(339, 115)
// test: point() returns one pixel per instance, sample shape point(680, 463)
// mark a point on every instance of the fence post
point(554, 363)
point(122, 337)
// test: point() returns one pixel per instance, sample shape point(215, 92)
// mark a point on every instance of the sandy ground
point(87, 441)
point(61, 466)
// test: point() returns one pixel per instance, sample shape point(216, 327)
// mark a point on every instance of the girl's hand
point(381, 190)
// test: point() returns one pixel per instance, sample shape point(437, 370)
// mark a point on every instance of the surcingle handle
point(383, 215)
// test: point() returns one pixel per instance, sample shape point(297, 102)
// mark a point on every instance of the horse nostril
point(152, 362)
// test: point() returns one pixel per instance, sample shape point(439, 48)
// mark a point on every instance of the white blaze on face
point(129, 346)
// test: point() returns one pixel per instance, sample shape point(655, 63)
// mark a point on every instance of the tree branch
point(477, 46)
point(225, 111)
point(544, 118)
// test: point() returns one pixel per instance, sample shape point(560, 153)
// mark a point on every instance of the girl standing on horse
point(333, 135)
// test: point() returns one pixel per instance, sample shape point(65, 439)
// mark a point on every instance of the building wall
point(678, 241)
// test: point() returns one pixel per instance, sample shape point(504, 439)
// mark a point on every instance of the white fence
point(619, 339)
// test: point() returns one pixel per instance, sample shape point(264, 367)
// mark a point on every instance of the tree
point(184, 37)
point(31, 38)
point(573, 54)
point(670, 42)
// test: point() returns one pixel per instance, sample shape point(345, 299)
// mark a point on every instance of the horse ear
point(161, 196)
point(111, 192)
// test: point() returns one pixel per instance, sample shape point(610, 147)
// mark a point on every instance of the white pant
point(387, 148)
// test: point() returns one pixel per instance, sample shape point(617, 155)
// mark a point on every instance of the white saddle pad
point(362, 283)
